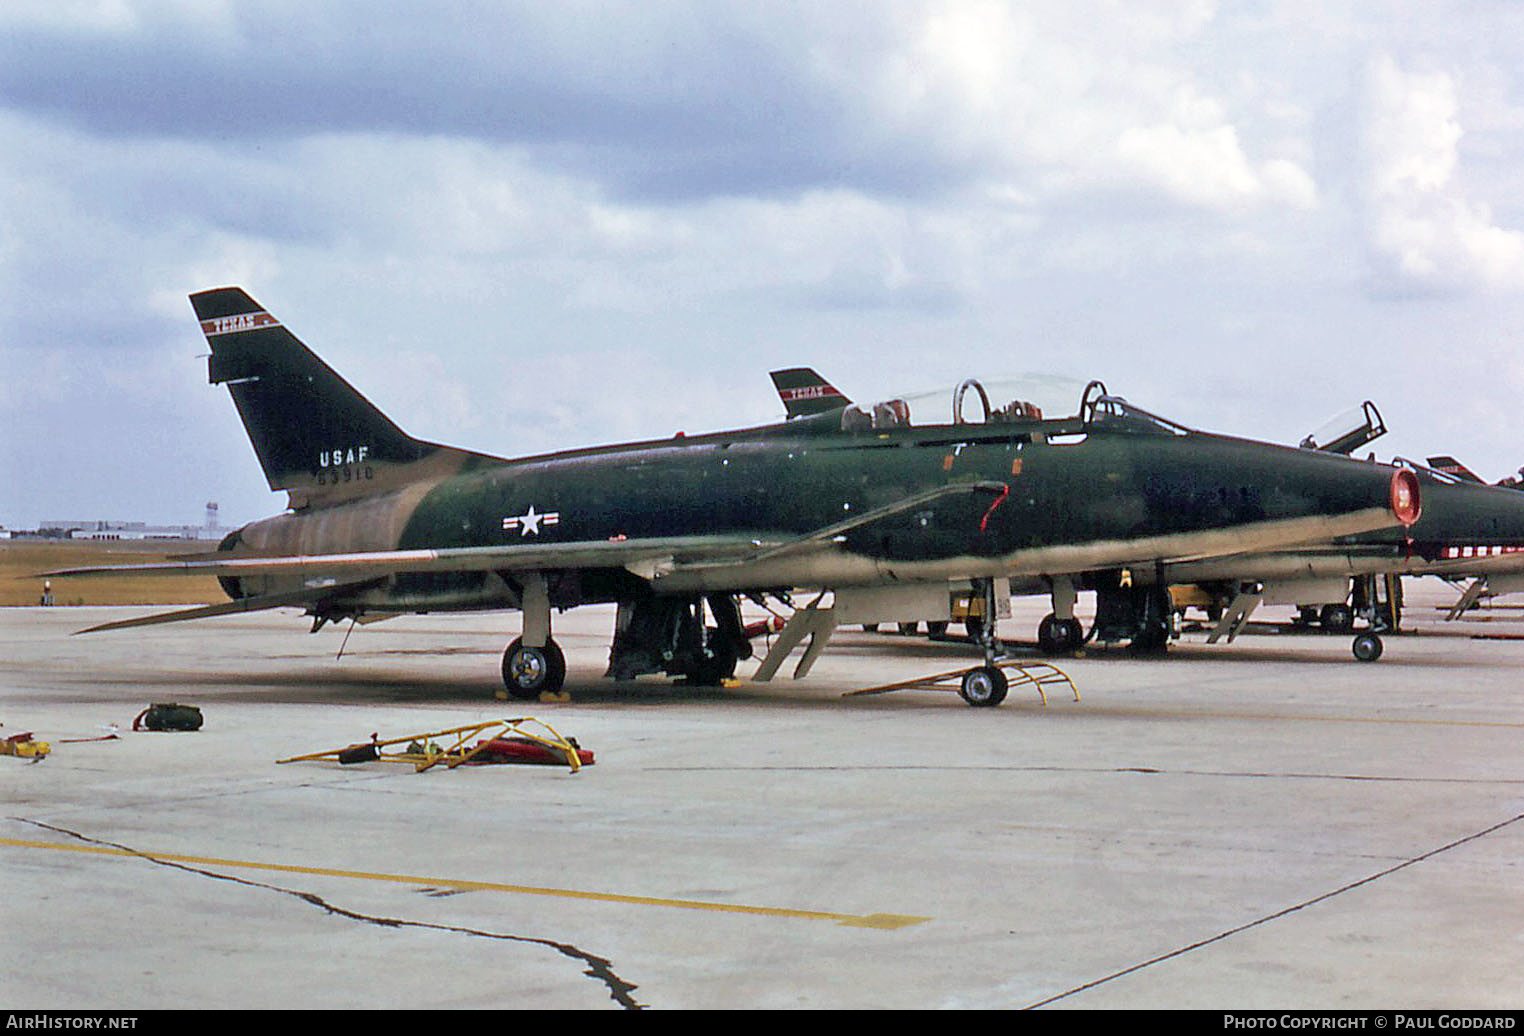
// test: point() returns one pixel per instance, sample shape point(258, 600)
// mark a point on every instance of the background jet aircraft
point(1494, 564)
point(1468, 530)
point(1450, 466)
point(885, 514)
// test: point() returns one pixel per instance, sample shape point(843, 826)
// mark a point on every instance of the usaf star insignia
point(530, 521)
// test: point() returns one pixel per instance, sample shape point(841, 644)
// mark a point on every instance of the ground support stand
point(1037, 675)
point(424, 752)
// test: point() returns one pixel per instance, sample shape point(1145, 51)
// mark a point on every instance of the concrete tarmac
point(1267, 824)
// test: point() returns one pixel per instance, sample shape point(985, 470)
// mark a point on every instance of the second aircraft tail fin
point(1451, 466)
point(804, 392)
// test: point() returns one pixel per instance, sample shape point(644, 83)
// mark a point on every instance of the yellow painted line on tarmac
point(883, 921)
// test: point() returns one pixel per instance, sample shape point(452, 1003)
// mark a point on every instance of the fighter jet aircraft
point(1469, 530)
point(880, 511)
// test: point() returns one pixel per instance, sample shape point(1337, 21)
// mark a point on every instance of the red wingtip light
point(1405, 498)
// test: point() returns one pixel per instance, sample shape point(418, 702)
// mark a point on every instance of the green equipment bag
point(168, 716)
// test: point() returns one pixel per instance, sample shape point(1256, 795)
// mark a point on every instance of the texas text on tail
point(883, 512)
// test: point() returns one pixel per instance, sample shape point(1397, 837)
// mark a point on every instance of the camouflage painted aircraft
point(1468, 530)
point(879, 511)
point(1492, 561)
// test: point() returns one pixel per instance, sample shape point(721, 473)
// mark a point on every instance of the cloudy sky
point(525, 226)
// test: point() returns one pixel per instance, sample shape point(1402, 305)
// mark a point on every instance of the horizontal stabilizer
point(241, 606)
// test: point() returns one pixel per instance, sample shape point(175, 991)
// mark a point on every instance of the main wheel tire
point(983, 687)
point(529, 672)
point(712, 671)
point(1057, 636)
point(1153, 639)
point(1336, 618)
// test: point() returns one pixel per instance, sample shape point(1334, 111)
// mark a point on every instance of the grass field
point(21, 560)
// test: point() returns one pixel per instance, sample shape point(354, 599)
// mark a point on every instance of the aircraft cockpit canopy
point(1027, 398)
point(1033, 398)
point(1348, 431)
point(1114, 414)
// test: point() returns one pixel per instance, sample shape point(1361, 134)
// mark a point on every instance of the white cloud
point(1207, 167)
point(1424, 227)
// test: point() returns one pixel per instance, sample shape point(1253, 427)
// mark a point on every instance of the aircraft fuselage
point(1066, 498)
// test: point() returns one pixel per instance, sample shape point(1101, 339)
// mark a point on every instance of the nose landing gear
point(1377, 600)
point(986, 686)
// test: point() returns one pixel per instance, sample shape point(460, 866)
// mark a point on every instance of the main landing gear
point(1061, 633)
point(1057, 636)
point(673, 636)
point(699, 639)
point(533, 664)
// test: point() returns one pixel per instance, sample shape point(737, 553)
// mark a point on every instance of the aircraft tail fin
point(315, 435)
point(805, 392)
point(1451, 466)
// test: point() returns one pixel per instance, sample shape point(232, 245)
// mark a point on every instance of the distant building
point(95, 529)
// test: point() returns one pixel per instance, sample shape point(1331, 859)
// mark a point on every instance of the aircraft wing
point(635, 554)
point(328, 576)
point(375, 564)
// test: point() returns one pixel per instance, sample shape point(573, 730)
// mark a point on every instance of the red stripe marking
point(239, 322)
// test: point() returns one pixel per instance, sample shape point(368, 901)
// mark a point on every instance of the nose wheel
point(984, 686)
point(1378, 600)
point(1367, 647)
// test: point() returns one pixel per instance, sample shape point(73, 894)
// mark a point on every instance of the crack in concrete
point(599, 968)
point(1368, 879)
